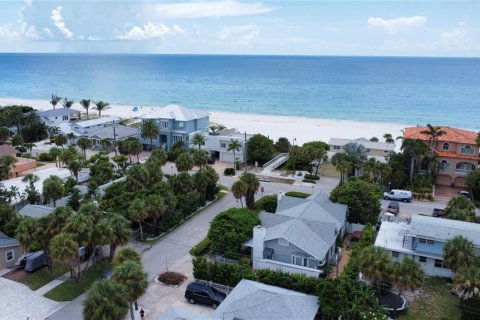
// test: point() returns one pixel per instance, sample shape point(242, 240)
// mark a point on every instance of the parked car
point(393, 207)
point(439, 213)
point(22, 261)
point(36, 261)
point(211, 160)
point(205, 294)
point(464, 193)
point(399, 195)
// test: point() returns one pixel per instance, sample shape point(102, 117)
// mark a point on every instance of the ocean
point(440, 91)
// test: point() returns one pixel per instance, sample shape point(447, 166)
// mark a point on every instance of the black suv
point(201, 293)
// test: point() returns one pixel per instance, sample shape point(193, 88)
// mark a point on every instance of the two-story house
point(300, 237)
point(456, 152)
point(424, 239)
point(55, 117)
point(217, 144)
point(176, 123)
point(376, 150)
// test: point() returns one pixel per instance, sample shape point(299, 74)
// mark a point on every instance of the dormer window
point(446, 146)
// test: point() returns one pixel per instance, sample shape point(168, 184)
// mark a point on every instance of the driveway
point(417, 207)
point(17, 301)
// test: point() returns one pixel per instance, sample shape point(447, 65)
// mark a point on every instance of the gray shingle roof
point(444, 229)
point(57, 112)
point(121, 132)
point(251, 300)
point(35, 211)
point(180, 314)
point(174, 112)
point(6, 241)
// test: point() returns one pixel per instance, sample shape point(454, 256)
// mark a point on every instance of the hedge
point(200, 248)
point(311, 177)
point(267, 203)
point(296, 194)
point(229, 172)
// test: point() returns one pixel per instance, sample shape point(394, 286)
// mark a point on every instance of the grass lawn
point(71, 289)
point(41, 277)
point(436, 303)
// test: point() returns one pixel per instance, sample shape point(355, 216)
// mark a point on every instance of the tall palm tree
point(234, 146)
point(138, 212)
point(149, 130)
point(415, 149)
point(64, 248)
point(67, 103)
point(53, 189)
point(467, 283)
point(85, 103)
point(84, 144)
point(251, 187)
point(357, 155)
point(6, 166)
point(388, 138)
point(101, 106)
point(105, 300)
point(155, 207)
point(126, 254)
point(121, 231)
point(374, 263)
point(184, 162)
point(458, 253)
point(198, 140)
point(407, 275)
point(55, 100)
point(132, 277)
point(433, 133)
point(238, 190)
point(341, 162)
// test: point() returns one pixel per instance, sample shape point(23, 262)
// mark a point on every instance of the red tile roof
point(5, 149)
point(449, 154)
point(453, 135)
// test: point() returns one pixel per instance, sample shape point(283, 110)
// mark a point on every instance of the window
point(180, 124)
point(177, 138)
point(445, 165)
point(446, 146)
point(223, 145)
point(336, 147)
point(439, 263)
point(426, 241)
point(164, 124)
point(283, 242)
point(395, 254)
point(65, 118)
point(9, 255)
point(422, 259)
point(467, 150)
point(368, 150)
point(300, 261)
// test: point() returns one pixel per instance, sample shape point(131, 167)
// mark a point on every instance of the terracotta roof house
point(21, 165)
point(456, 152)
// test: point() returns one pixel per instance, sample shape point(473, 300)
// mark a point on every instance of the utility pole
point(114, 138)
point(245, 151)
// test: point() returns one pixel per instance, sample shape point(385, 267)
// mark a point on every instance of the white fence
point(218, 286)
point(276, 265)
point(352, 227)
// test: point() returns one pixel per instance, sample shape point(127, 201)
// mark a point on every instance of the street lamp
point(293, 145)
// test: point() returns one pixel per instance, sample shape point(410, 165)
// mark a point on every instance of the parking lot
point(416, 207)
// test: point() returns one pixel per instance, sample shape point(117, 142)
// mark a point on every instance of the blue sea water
point(385, 89)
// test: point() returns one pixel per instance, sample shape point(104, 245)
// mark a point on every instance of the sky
point(372, 28)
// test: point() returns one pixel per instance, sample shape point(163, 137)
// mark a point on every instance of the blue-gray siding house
point(175, 123)
point(424, 238)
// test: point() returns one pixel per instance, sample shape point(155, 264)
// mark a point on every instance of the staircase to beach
point(275, 163)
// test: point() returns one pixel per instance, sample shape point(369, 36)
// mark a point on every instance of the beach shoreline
point(302, 129)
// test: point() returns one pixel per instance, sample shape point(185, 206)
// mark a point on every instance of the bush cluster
point(200, 248)
point(297, 194)
point(267, 203)
point(311, 177)
point(229, 172)
point(171, 278)
point(309, 181)
point(45, 157)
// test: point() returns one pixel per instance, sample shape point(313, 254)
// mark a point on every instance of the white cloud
point(393, 25)
point(244, 35)
point(29, 32)
point(59, 23)
point(6, 33)
point(455, 39)
point(209, 9)
point(48, 32)
point(147, 31)
point(94, 38)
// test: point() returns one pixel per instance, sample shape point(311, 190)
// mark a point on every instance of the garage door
point(460, 182)
point(444, 180)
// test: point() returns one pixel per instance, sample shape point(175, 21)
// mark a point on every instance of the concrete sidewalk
point(52, 284)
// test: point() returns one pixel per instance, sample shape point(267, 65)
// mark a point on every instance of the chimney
point(259, 233)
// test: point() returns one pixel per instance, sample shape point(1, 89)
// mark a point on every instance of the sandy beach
point(303, 129)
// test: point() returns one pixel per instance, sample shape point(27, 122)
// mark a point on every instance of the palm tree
point(105, 300)
point(433, 133)
point(29, 146)
point(55, 153)
point(15, 192)
point(84, 144)
point(357, 155)
point(137, 211)
point(121, 231)
point(155, 207)
point(71, 137)
point(182, 183)
point(126, 254)
point(64, 248)
point(136, 178)
point(458, 253)
point(61, 140)
point(214, 128)
point(251, 187)
point(74, 167)
point(467, 283)
point(149, 130)
point(6, 166)
point(4, 135)
point(100, 106)
point(374, 263)
point(32, 196)
point(67, 103)
point(415, 149)
point(388, 138)
point(53, 189)
point(198, 140)
point(55, 100)
point(341, 162)
point(85, 103)
point(238, 190)
point(132, 277)
point(407, 275)
point(477, 139)
point(200, 158)
point(234, 146)
point(184, 162)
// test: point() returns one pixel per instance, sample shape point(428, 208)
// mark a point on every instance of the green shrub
point(297, 194)
point(200, 248)
point(309, 181)
point(229, 172)
point(311, 177)
point(45, 157)
point(267, 203)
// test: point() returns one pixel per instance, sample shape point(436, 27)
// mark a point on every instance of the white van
point(399, 195)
